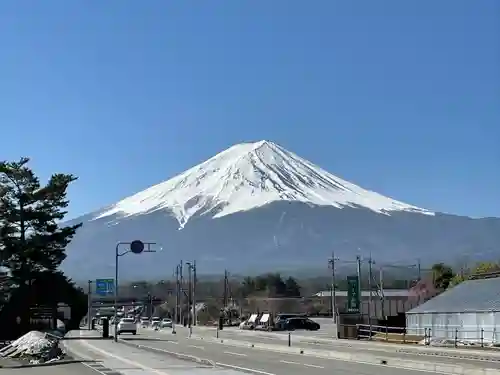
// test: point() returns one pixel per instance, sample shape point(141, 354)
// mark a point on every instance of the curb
point(433, 352)
point(182, 356)
point(369, 359)
point(55, 363)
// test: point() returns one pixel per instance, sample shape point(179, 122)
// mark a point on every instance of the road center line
point(238, 354)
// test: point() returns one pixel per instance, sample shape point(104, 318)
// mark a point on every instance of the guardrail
point(458, 336)
point(385, 333)
point(450, 336)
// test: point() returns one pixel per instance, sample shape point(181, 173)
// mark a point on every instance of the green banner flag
point(353, 297)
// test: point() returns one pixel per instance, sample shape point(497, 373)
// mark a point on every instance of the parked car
point(127, 325)
point(155, 322)
point(166, 323)
point(292, 324)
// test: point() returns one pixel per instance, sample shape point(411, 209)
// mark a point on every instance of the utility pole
point(358, 271)
point(194, 292)
point(189, 294)
point(381, 285)
point(89, 311)
point(419, 270)
point(370, 276)
point(225, 288)
point(331, 262)
point(150, 307)
point(181, 291)
point(176, 311)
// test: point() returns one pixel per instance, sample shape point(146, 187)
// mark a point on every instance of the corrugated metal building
point(469, 311)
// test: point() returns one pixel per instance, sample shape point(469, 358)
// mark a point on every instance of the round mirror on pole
point(137, 246)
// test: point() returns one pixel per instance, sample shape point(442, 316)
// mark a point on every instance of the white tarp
point(264, 318)
point(252, 318)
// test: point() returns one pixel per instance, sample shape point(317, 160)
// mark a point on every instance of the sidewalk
point(117, 358)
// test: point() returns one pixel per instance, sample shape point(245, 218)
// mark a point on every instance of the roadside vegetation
point(32, 247)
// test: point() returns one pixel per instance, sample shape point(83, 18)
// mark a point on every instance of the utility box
point(105, 328)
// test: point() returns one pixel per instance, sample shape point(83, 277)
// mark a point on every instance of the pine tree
point(31, 240)
point(292, 287)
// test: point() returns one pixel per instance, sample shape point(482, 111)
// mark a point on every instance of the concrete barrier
point(178, 355)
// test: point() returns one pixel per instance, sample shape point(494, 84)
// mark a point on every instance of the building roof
point(469, 296)
point(366, 293)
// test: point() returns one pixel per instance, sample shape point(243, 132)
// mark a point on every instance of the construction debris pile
point(444, 342)
point(35, 347)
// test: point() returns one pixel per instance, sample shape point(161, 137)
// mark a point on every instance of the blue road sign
point(104, 287)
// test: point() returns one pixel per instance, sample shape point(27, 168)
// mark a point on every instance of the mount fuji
point(256, 207)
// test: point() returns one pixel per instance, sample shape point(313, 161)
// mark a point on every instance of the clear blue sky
point(401, 97)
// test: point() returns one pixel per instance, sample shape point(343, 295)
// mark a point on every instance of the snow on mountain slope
point(247, 176)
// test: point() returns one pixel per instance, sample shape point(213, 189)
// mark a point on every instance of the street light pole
point(135, 247)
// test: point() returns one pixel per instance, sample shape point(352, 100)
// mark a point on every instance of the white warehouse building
point(468, 312)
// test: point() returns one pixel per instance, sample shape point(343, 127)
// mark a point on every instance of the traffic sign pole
point(89, 312)
point(135, 247)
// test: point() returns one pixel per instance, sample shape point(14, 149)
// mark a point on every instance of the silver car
point(166, 323)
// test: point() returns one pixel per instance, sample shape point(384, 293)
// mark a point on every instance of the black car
point(292, 324)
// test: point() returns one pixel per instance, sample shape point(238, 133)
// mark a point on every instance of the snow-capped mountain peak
point(247, 176)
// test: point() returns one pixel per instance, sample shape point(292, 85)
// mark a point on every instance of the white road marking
point(159, 339)
point(197, 347)
point(301, 364)
point(309, 365)
point(238, 354)
point(246, 369)
point(132, 363)
point(90, 367)
point(290, 362)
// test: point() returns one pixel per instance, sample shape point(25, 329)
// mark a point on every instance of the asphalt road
point(261, 361)
point(70, 369)
point(338, 346)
